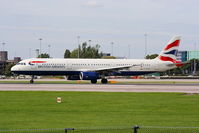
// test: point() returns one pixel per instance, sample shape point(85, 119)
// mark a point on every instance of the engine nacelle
point(89, 75)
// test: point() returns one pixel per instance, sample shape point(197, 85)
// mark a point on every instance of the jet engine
point(89, 76)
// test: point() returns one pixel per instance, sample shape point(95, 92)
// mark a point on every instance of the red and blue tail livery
point(169, 53)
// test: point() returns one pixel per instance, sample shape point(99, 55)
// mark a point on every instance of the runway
point(184, 88)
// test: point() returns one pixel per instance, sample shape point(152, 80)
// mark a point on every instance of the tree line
point(84, 51)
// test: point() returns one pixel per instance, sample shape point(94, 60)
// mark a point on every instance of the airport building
point(187, 55)
point(4, 61)
point(192, 55)
point(3, 55)
point(182, 56)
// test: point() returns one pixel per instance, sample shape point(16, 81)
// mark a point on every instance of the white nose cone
point(13, 68)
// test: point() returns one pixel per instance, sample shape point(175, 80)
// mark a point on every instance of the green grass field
point(39, 110)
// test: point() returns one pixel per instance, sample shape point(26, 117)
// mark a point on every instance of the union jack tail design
point(169, 53)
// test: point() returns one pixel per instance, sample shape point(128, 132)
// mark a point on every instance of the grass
point(30, 110)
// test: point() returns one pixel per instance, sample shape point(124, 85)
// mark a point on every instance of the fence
point(135, 129)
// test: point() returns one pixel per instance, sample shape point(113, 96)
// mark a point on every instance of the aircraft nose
point(14, 68)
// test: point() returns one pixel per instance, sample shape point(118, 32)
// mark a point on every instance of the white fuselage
point(40, 66)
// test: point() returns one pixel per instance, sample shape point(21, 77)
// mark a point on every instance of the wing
point(117, 68)
point(111, 69)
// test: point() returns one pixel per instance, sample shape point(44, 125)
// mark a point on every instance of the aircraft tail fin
point(169, 53)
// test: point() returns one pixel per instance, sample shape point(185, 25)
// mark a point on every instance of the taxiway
point(184, 88)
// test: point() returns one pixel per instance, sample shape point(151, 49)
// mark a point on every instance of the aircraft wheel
point(94, 81)
point(31, 81)
point(104, 81)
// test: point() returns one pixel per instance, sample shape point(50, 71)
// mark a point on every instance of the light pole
point(78, 54)
point(37, 53)
point(145, 36)
point(3, 45)
point(129, 48)
point(40, 39)
point(194, 60)
point(112, 48)
point(49, 50)
point(30, 52)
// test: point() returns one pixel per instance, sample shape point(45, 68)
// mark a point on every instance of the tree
point(74, 53)
point(44, 55)
point(152, 56)
point(67, 53)
point(7, 70)
point(86, 51)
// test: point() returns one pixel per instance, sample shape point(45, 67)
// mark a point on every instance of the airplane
point(94, 69)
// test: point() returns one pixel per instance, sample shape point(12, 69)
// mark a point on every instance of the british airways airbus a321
point(94, 69)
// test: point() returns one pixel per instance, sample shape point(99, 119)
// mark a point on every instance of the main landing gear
point(103, 81)
point(32, 79)
point(93, 81)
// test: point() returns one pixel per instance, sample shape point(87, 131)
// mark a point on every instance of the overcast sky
point(124, 22)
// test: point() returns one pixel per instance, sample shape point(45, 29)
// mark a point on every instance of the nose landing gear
point(32, 79)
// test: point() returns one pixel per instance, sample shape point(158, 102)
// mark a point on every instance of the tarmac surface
point(183, 88)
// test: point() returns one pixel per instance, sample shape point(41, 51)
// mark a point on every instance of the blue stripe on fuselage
point(121, 73)
point(40, 73)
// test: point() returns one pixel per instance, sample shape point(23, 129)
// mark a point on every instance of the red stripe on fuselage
point(174, 44)
point(37, 61)
point(163, 58)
